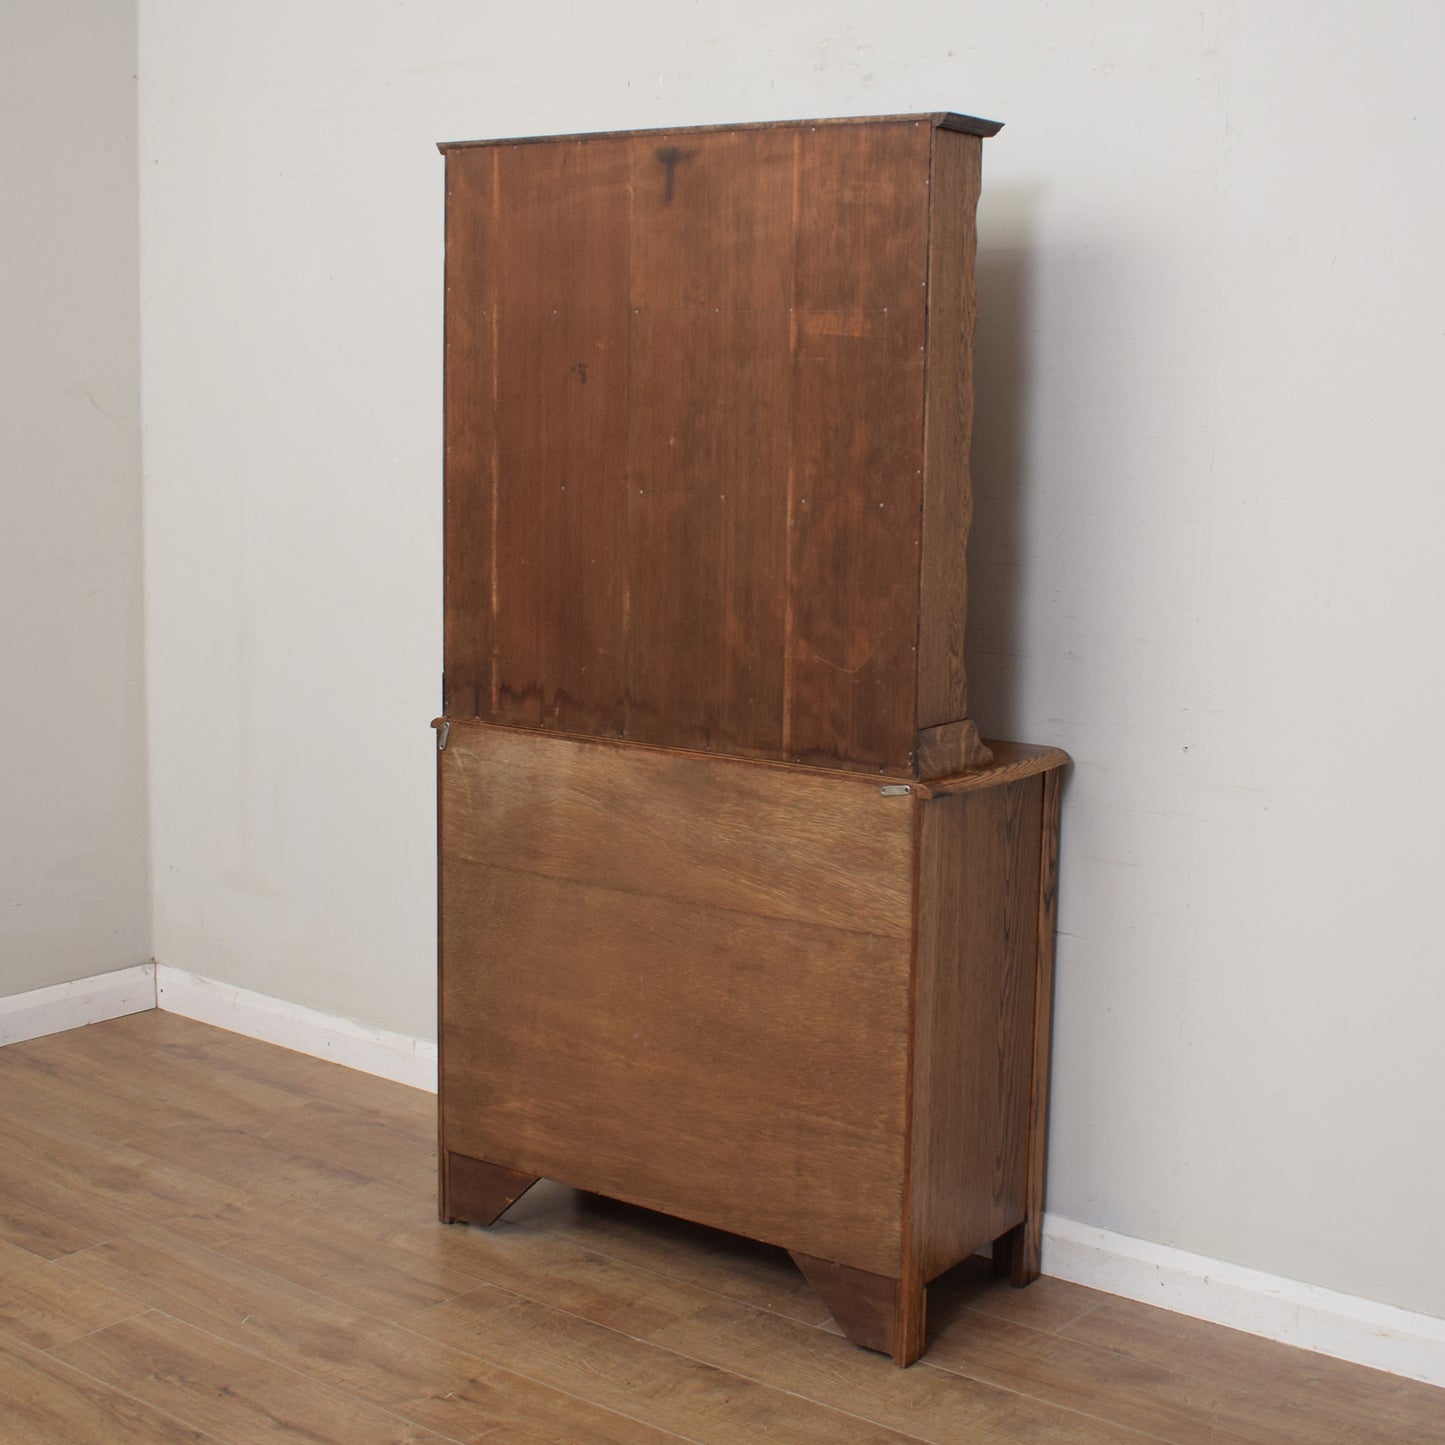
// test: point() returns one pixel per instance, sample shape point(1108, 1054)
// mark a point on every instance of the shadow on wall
point(1000, 461)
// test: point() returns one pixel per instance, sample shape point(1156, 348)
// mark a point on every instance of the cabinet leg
point(1016, 1254)
point(874, 1310)
point(475, 1192)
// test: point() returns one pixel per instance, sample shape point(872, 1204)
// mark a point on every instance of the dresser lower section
point(807, 1007)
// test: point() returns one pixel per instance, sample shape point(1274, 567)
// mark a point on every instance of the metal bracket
point(895, 790)
point(443, 728)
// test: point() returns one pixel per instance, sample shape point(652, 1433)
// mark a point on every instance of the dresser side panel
point(972, 1069)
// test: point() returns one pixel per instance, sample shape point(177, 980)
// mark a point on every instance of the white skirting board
point(1309, 1316)
point(399, 1057)
point(72, 1005)
point(1344, 1326)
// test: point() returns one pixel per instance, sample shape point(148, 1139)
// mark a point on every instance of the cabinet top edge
point(939, 119)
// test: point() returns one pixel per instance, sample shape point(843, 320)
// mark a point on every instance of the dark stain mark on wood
point(579, 370)
point(669, 156)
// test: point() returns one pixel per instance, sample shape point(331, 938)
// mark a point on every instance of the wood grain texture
point(695, 987)
point(950, 749)
point(652, 990)
point(315, 1251)
point(685, 419)
point(910, 1319)
point(470, 420)
point(563, 380)
point(474, 1192)
point(931, 1403)
point(856, 478)
point(1028, 1250)
point(44, 1401)
point(171, 1365)
point(1009, 763)
point(974, 1020)
point(948, 429)
point(1165, 1400)
point(709, 432)
point(459, 1395)
point(54, 1072)
point(865, 1305)
point(51, 1202)
point(43, 1304)
point(668, 1390)
point(713, 832)
point(753, 1274)
point(1309, 1396)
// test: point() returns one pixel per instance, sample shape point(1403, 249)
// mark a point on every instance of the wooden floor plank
point(1312, 1392)
point(431, 1384)
point(45, 1402)
point(43, 1304)
point(163, 1074)
point(249, 1250)
point(300, 1076)
point(378, 1269)
point(1163, 1398)
point(646, 1304)
point(232, 1301)
point(759, 1345)
point(51, 1098)
point(546, 1270)
point(1047, 1304)
point(322, 1255)
point(933, 1403)
point(228, 1392)
point(59, 1193)
point(580, 1281)
point(672, 1391)
point(760, 1275)
point(243, 1161)
point(350, 1140)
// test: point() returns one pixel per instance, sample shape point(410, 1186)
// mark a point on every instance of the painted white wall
point(74, 890)
point(1208, 506)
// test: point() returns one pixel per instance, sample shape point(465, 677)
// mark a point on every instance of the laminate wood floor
point(205, 1238)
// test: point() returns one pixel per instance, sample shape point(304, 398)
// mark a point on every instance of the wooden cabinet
point(739, 919)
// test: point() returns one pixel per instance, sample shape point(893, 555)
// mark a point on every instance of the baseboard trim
point(1308, 1316)
point(64, 1006)
point(399, 1057)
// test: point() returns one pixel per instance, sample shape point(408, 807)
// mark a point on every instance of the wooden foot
point(475, 1192)
point(874, 1310)
point(1016, 1254)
